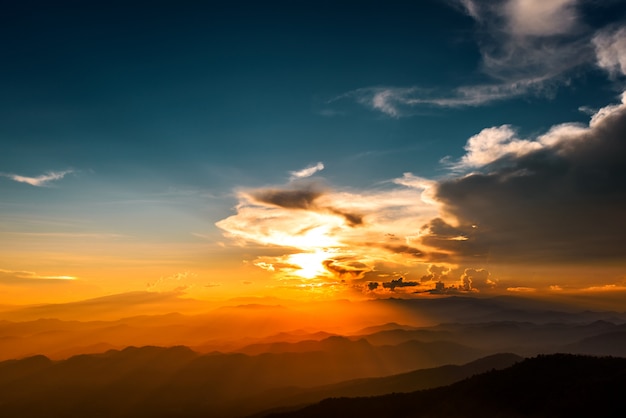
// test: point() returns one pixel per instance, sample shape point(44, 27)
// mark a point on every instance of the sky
point(312, 149)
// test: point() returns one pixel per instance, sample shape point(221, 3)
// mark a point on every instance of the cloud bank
point(557, 197)
point(552, 199)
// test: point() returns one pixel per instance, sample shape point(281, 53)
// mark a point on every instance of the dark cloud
point(353, 219)
point(564, 202)
point(398, 283)
point(304, 196)
point(346, 268)
point(403, 249)
point(288, 198)
point(372, 285)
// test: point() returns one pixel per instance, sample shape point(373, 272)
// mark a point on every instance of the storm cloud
point(561, 202)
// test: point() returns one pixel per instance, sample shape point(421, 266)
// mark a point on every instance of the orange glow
point(310, 264)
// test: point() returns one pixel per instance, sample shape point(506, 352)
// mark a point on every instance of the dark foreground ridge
point(557, 385)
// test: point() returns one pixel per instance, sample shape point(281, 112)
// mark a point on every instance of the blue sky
point(123, 121)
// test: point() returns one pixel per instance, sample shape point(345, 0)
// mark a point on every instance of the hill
point(177, 382)
point(557, 385)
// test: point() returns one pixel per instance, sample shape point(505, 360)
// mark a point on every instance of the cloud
point(492, 144)
point(526, 47)
point(436, 273)
point(398, 102)
point(476, 280)
point(12, 277)
point(541, 18)
point(610, 47)
point(304, 196)
point(372, 285)
point(177, 282)
point(307, 172)
point(299, 198)
point(523, 40)
point(548, 199)
point(472, 280)
point(39, 181)
point(393, 284)
point(326, 234)
point(558, 202)
point(521, 289)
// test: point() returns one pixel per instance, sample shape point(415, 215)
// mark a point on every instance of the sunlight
point(311, 264)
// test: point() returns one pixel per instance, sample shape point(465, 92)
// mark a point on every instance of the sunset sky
point(312, 149)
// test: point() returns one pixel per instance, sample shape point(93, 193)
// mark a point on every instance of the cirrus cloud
point(39, 181)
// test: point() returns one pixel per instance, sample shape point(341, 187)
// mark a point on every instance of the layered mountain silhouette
point(557, 385)
point(159, 382)
point(244, 359)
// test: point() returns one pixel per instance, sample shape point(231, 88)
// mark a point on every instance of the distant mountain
point(471, 309)
point(176, 382)
point(524, 338)
point(384, 327)
point(371, 360)
point(497, 324)
point(154, 379)
point(405, 382)
point(610, 343)
point(555, 386)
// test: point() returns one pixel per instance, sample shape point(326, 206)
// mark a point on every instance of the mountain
point(558, 385)
point(405, 382)
point(156, 382)
point(524, 338)
point(153, 379)
point(610, 343)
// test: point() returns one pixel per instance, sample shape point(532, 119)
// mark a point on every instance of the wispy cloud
point(405, 101)
point(527, 47)
point(307, 172)
point(39, 181)
point(26, 277)
point(610, 46)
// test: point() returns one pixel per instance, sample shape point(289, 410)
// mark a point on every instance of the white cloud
point(523, 40)
point(307, 172)
point(471, 8)
point(321, 239)
point(610, 48)
point(491, 144)
point(541, 17)
point(402, 101)
point(527, 47)
point(39, 181)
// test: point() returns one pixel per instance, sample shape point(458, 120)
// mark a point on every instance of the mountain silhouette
point(177, 382)
point(558, 385)
point(404, 382)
